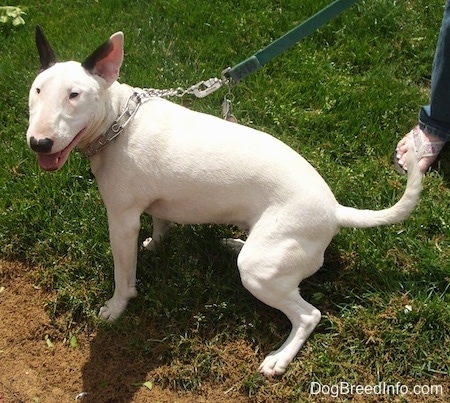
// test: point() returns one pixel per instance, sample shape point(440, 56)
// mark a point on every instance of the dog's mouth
point(54, 161)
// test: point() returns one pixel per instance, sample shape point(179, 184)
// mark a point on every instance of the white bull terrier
point(191, 168)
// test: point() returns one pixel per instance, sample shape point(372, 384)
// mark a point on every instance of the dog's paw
point(106, 315)
point(149, 244)
point(273, 365)
point(112, 310)
point(234, 245)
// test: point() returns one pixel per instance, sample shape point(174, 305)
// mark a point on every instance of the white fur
point(187, 167)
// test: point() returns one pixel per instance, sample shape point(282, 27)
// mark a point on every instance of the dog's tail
point(354, 218)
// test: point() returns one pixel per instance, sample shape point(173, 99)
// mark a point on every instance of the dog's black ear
point(107, 59)
point(46, 54)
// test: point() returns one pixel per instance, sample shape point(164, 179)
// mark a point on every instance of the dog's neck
point(104, 130)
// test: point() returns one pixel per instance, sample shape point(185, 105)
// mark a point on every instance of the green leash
point(261, 57)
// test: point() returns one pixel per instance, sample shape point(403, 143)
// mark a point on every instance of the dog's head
point(67, 99)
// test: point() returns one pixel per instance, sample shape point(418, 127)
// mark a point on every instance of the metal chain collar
point(134, 102)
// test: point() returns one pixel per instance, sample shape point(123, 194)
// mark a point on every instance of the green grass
point(343, 98)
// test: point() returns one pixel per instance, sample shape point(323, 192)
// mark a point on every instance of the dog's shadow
point(191, 285)
point(115, 370)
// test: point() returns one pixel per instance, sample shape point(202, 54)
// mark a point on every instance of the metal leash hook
point(207, 87)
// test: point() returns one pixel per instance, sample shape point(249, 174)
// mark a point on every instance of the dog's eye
point(73, 95)
point(38, 90)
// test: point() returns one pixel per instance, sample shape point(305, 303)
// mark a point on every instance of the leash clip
point(205, 88)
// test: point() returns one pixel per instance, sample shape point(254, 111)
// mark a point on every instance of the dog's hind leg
point(160, 228)
point(304, 318)
point(233, 244)
point(271, 272)
point(123, 231)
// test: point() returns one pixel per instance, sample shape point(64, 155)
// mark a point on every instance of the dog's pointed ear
point(106, 60)
point(46, 53)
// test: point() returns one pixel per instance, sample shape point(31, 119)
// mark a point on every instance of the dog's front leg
point(123, 232)
point(160, 228)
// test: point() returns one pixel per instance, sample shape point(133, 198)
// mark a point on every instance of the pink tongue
point(49, 162)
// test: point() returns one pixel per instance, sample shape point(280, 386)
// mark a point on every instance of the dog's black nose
point(42, 145)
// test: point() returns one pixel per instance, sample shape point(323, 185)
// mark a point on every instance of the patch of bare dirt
point(33, 369)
